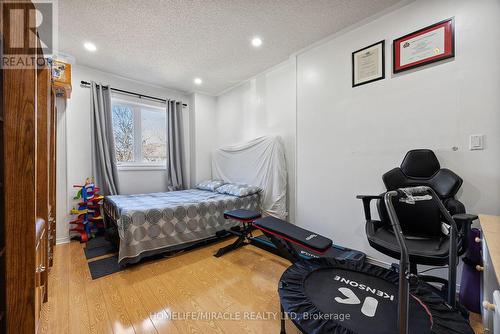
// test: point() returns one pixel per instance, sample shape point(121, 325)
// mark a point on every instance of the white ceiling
point(168, 43)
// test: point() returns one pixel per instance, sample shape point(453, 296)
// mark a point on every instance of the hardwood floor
point(138, 299)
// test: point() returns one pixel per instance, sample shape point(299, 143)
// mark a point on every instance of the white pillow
point(210, 185)
point(238, 189)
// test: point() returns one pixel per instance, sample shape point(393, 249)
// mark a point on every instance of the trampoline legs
point(282, 312)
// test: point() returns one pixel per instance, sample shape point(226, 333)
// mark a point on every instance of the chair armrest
point(366, 204)
point(464, 222)
point(464, 218)
point(369, 197)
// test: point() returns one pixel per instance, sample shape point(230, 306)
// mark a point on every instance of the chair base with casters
point(327, 295)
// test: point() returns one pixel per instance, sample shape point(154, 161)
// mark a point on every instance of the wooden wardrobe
point(27, 193)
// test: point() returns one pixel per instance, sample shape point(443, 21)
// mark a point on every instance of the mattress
point(159, 222)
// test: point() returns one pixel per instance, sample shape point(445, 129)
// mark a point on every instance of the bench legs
point(240, 242)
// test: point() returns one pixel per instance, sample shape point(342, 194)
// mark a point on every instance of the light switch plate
point(476, 142)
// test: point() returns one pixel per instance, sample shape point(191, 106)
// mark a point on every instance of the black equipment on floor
point(295, 243)
point(431, 234)
point(243, 232)
point(292, 249)
point(327, 295)
point(335, 251)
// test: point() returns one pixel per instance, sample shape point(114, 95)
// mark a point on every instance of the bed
point(142, 225)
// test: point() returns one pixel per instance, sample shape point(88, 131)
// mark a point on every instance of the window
point(140, 134)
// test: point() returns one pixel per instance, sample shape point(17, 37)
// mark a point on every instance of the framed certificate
point(368, 64)
point(424, 46)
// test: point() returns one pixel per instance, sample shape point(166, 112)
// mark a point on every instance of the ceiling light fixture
point(198, 81)
point(256, 42)
point(89, 46)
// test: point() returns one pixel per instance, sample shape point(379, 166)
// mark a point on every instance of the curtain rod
point(87, 85)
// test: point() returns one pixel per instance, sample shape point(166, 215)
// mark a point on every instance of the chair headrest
point(421, 168)
point(420, 163)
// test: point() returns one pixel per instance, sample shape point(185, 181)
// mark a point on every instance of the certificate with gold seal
point(427, 45)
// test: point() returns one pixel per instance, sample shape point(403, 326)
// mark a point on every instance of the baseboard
point(63, 240)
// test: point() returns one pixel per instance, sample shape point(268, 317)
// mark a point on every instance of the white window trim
point(138, 166)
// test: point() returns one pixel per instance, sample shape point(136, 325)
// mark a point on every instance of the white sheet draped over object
point(259, 162)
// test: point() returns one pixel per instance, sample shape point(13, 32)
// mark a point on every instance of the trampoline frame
point(404, 262)
point(405, 275)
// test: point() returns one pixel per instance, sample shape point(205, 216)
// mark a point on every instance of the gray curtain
point(103, 142)
point(175, 161)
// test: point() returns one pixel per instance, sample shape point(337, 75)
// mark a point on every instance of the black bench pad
point(242, 214)
point(294, 234)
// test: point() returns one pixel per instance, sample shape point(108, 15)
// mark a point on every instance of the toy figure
point(89, 219)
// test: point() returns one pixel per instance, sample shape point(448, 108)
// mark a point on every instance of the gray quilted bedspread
point(158, 222)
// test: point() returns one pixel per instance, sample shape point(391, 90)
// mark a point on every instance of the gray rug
point(98, 241)
point(104, 267)
point(98, 246)
point(109, 265)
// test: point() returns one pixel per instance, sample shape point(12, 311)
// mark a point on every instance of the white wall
point(345, 138)
point(348, 137)
point(78, 140)
point(261, 106)
point(202, 136)
point(62, 215)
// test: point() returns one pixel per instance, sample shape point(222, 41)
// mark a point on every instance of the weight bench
point(286, 237)
point(283, 239)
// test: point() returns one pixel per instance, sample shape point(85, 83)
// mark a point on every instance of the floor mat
point(104, 267)
point(109, 265)
point(98, 246)
point(98, 241)
point(91, 253)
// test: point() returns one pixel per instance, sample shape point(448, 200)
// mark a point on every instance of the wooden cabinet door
point(38, 285)
point(40, 267)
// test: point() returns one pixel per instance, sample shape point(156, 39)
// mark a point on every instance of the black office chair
point(425, 229)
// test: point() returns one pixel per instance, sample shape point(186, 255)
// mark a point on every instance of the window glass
point(154, 133)
point(123, 130)
point(140, 133)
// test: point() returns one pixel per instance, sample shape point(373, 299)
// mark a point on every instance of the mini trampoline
point(325, 295)
point(341, 296)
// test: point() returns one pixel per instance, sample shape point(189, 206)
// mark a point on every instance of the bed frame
point(111, 235)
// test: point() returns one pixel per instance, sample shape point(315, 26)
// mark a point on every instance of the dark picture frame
point(449, 46)
point(358, 82)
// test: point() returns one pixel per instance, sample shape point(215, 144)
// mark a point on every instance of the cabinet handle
point(40, 269)
point(479, 268)
point(488, 306)
point(478, 240)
